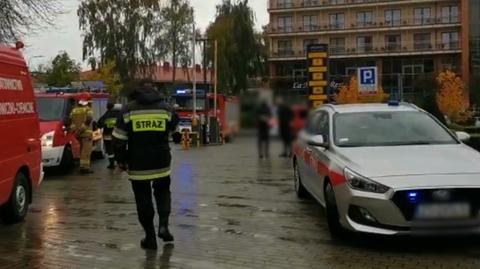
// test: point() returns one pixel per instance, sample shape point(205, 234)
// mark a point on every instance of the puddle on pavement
point(118, 201)
point(105, 245)
point(121, 215)
point(231, 197)
point(233, 231)
point(34, 210)
point(305, 241)
point(232, 222)
point(235, 205)
point(186, 226)
point(116, 229)
point(186, 212)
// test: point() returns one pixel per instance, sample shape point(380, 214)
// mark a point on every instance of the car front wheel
point(333, 218)
point(299, 188)
point(67, 163)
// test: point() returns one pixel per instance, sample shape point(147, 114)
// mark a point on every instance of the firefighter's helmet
point(84, 98)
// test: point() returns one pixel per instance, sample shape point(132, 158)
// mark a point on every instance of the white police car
point(388, 169)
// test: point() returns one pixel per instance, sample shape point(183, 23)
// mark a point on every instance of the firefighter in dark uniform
point(141, 141)
point(108, 121)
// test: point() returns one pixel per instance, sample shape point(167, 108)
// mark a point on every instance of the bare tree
point(17, 17)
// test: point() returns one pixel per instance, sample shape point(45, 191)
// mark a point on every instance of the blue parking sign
point(367, 79)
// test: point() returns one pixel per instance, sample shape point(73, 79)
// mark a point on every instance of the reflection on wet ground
point(230, 211)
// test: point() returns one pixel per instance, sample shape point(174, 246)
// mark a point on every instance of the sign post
point(367, 80)
point(317, 63)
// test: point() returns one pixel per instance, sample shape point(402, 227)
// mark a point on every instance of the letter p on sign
point(368, 76)
point(367, 79)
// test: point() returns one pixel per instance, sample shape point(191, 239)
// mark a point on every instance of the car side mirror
point(317, 141)
point(462, 136)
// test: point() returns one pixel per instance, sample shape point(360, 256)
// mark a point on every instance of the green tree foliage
point(241, 51)
point(174, 29)
point(62, 71)
point(19, 16)
point(122, 31)
point(107, 74)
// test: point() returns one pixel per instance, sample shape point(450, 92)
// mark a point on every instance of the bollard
point(186, 139)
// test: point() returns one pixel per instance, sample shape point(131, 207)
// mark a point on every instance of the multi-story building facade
point(403, 38)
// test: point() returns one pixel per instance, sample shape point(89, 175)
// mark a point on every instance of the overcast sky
point(43, 46)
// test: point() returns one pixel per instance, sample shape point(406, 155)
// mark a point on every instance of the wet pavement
point(230, 210)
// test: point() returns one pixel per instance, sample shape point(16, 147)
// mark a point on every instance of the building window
point(310, 23)
point(336, 2)
point(337, 45)
point(285, 48)
point(285, 3)
point(393, 17)
point(307, 42)
point(450, 40)
point(337, 21)
point(364, 44)
point(393, 42)
point(450, 14)
point(364, 18)
point(285, 24)
point(310, 3)
point(423, 15)
point(422, 41)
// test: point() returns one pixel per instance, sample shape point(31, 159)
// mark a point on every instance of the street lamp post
point(206, 88)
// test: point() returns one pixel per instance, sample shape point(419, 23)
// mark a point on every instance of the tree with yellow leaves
point(109, 76)
point(451, 97)
point(348, 94)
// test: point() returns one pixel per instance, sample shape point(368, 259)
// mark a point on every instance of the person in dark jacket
point(141, 140)
point(263, 126)
point(285, 118)
point(108, 122)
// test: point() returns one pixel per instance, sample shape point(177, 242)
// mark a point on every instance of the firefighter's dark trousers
point(143, 197)
point(109, 149)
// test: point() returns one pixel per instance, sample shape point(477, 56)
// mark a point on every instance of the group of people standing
point(285, 116)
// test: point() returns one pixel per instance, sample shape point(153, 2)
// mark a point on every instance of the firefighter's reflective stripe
point(110, 122)
point(111, 156)
point(126, 117)
point(107, 137)
point(120, 134)
point(149, 174)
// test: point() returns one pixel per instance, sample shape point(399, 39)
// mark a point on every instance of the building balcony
point(373, 50)
point(280, 6)
point(407, 24)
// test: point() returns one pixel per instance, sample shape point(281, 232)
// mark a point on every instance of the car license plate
point(443, 211)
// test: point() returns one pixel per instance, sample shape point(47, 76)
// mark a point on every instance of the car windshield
point(186, 103)
point(368, 129)
point(51, 109)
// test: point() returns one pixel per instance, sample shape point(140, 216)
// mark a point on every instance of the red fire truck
point(228, 111)
point(59, 147)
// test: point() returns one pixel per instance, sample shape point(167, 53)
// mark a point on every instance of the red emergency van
point(20, 148)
